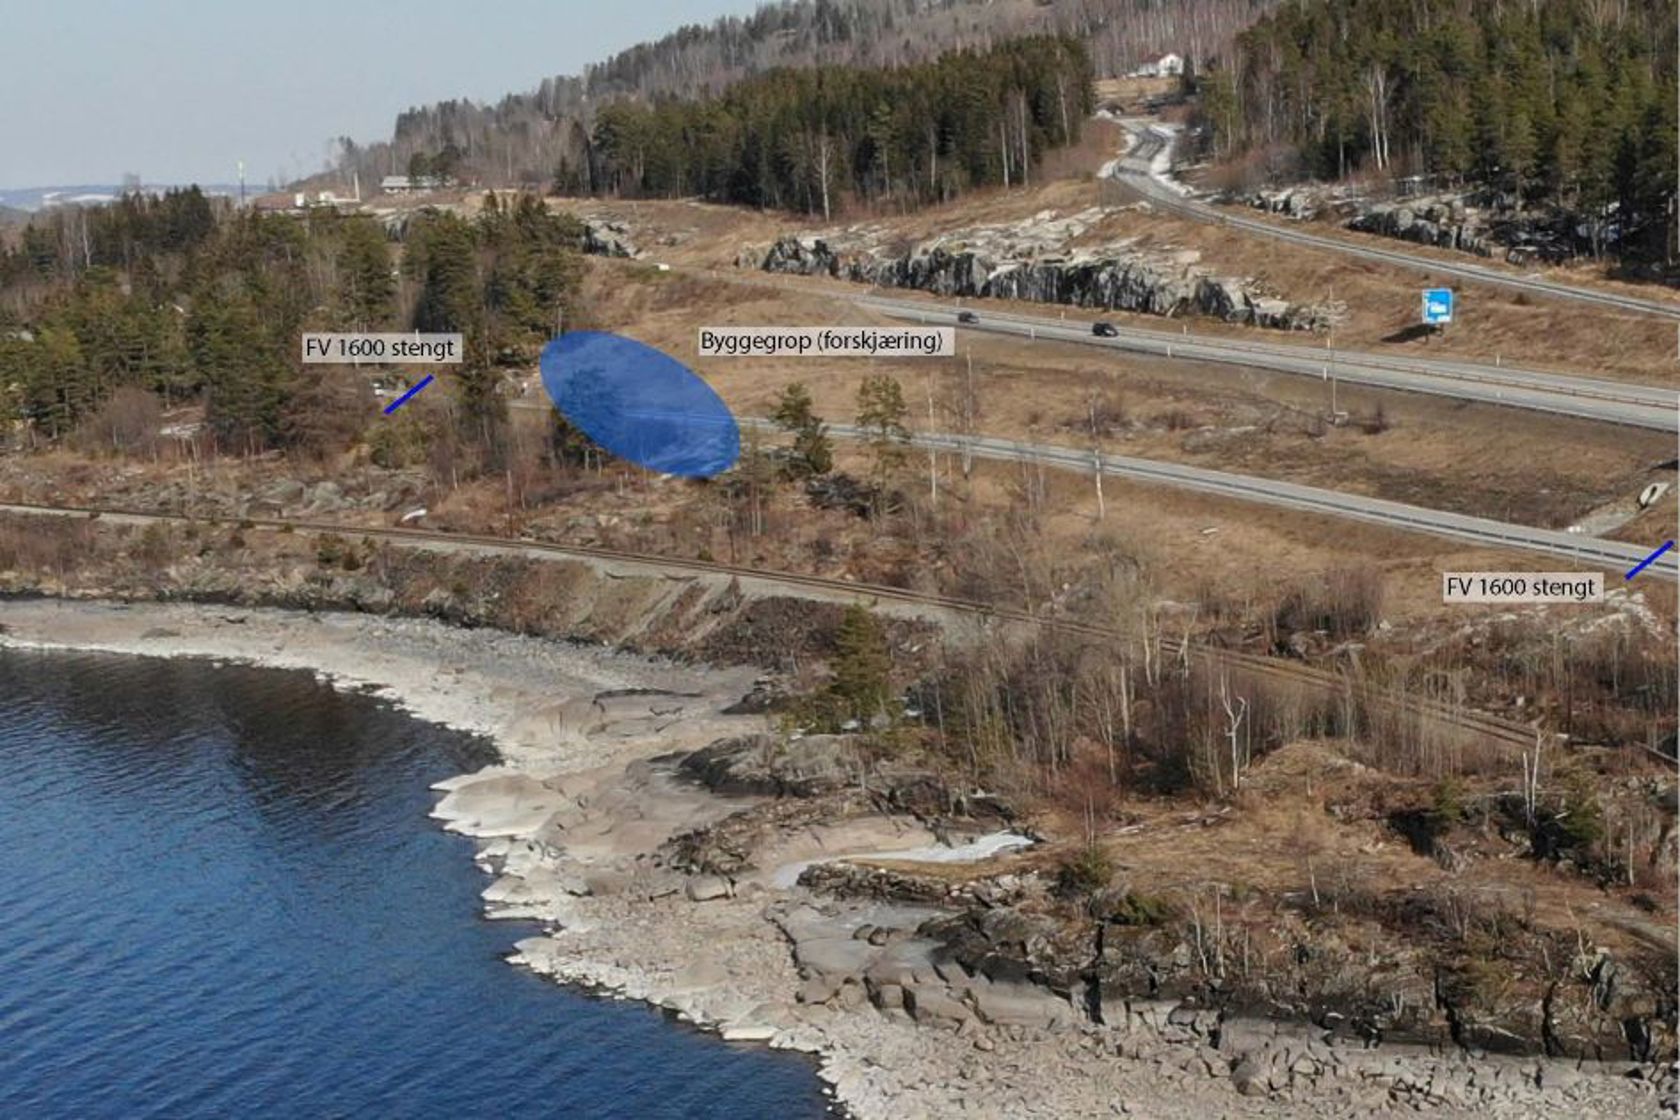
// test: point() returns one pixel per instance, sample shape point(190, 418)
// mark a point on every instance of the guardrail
point(1584, 406)
point(1469, 372)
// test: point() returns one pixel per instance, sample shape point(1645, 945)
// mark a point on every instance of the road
point(1561, 394)
point(1143, 170)
point(1613, 556)
point(1639, 406)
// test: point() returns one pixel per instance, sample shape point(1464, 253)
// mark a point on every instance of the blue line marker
point(1649, 560)
point(402, 400)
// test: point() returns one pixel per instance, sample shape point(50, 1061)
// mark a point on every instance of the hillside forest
point(1568, 104)
point(109, 315)
point(522, 138)
point(803, 139)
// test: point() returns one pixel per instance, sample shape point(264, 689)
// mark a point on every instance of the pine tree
point(246, 376)
point(813, 453)
point(61, 389)
point(364, 265)
point(881, 414)
point(862, 666)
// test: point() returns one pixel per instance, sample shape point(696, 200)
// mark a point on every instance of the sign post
point(1437, 307)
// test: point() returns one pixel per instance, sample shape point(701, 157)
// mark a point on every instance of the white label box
point(335, 348)
point(828, 342)
point(1522, 587)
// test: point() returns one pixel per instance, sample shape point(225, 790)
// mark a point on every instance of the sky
point(180, 90)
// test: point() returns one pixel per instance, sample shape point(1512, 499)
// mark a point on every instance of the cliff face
point(1444, 224)
point(1480, 223)
point(1120, 279)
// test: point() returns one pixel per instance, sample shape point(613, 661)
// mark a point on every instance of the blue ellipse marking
point(640, 404)
point(1649, 560)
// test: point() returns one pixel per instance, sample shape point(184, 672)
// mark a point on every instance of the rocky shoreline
point(651, 884)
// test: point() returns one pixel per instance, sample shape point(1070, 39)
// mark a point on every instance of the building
point(402, 184)
point(1169, 65)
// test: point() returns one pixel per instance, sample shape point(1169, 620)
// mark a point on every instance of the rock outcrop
point(768, 764)
point(1444, 223)
point(1030, 261)
point(606, 238)
point(1486, 224)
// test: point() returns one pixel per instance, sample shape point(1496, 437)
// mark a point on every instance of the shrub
point(1447, 803)
point(152, 547)
point(862, 665)
point(1343, 603)
point(127, 424)
point(1132, 909)
point(330, 549)
point(1084, 872)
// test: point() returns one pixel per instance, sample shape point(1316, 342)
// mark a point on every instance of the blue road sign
point(1437, 306)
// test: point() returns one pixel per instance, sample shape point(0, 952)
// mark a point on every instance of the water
point(220, 896)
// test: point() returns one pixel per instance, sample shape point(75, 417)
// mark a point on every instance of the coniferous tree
point(246, 377)
point(813, 453)
point(1562, 105)
point(862, 666)
point(882, 414)
point(364, 265)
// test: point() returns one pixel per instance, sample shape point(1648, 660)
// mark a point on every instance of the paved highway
point(1640, 406)
point(1614, 402)
point(1143, 169)
point(1611, 555)
point(1614, 556)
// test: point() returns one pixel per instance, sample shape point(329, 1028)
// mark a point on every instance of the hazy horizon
point(181, 91)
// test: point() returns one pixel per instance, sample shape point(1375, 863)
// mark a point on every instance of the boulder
point(933, 1003)
point(705, 888)
point(607, 238)
point(818, 989)
point(503, 805)
point(1020, 1005)
point(604, 882)
point(833, 956)
point(904, 963)
point(766, 764)
point(1222, 297)
point(1248, 1077)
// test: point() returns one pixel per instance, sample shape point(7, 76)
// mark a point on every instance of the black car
point(1104, 330)
point(967, 317)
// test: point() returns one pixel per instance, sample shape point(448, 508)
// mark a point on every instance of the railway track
point(1504, 732)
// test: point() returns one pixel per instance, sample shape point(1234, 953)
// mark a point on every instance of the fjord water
point(220, 896)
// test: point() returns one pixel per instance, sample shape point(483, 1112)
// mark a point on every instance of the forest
point(110, 315)
point(804, 139)
point(1568, 104)
point(523, 137)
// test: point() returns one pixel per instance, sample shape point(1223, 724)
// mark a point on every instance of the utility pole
point(970, 406)
point(933, 454)
point(1330, 344)
point(1096, 457)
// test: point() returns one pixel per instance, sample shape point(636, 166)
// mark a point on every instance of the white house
point(1169, 65)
